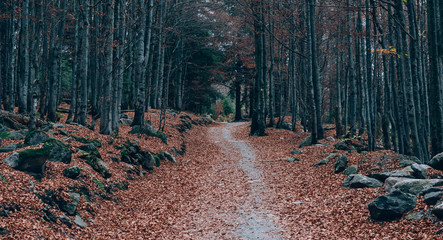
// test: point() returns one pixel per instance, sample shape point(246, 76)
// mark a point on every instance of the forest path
point(232, 194)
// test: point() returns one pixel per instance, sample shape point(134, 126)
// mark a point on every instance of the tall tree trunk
point(83, 61)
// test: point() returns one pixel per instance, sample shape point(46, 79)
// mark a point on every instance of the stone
point(415, 216)
point(59, 151)
point(330, 139)
point(382, 176)
point(63, 132)
point(292, 159)
point(296, 151)
point(79, 222)
point(147, 161)
point(341, 146)
point(391, 206)
point(16, 135)
point(437, 161)
point(420, 170)
point(361, 181)
point(433, 197)
point(325, 160)
point(438, 211)
point(353, 169)
point(170, 157)
point(306, 142)
point(9, 148)
point(65, 220)
point(59, 125)
point(431, 189)
point(71, 207)
point(91, 149)
point(340, 164)
point(408, 169)
point(45, 127)
point(286, 126)
point(391, 181)
point(125, 121)
point(31, 161)
point(149, 130)
point(406, 162)
point(99, 166)
point(416, 186)
point(72, 172)
point(3, 129)
point(35, 137)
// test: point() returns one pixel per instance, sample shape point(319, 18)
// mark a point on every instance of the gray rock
point(437, 161)
point(67, 221)
point(99, 166)
point(79, 222)
point(431, 189)
point(59, 151)
point(408, 169)
point(406, 162)
point(433, 197)
point(292, 159)
point(4, 231)
point(416, 186)
point(63, 132)
point(35, 137)
point(3, 128)
point(391, 181)
point(286, 126)
point(71, 207)
point(361, 181)
point(382, 176)
point(59, 125)
point(353, 169)
point(341, 146)
point(9, 148)
point(147, 161)
point(415, 216)
point(31, 161)
point(420, 170)
point(340, 164)
point(72, 172)
point(330, 139)
point(125, 121)
point(170, 157)
point(306, 142)
point(15, 135)
point(91, 149)
point(149, 130)
point(296, 151)
point(438, 211)
point(391, 206)
point(325, 160)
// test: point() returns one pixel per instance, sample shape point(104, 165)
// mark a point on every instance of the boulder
point(292, 159)
point(353, 169)
point(406, 162)
point(59, 151)
point(31, 161)
point(415, 216)
point(150, 131)
point(433, 197)
point(330, 139)
point(99, 166)
point(63, 132)
point(35, 137)
point(286, 126)
point(65, 220)
point(416, 186)
point(431, 189)
point(437, 161)
point(340, 164)
point(4, 231)
point(306, 142)
point(15, 135)
point(341, 146)
point(391, 181)
point(325, 160)
point(3, 128)
point(71, 207)
point(170, 157)
point(420, 170)
point(147, 161)
point(382, 176)
point(125, 121)
point(79, 222)
point(361, 181)
point(296, 151)
point(58, 125)
point(91, 150)
point(72, 172)
point(438, 211)
point(9, 148)
point(391, 206)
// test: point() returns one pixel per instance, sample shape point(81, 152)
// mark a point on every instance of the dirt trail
point(229, 200)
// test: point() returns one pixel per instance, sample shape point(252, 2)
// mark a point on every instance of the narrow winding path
point(230, 196)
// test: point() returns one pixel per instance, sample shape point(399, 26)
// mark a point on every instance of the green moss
point(4, 135)
point(100, 186)
point(35, 153)
point(31, 134)
point(3, 179)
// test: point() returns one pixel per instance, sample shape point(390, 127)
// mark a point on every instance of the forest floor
point(227, 186)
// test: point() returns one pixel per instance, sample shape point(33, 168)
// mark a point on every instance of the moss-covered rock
point(32, 161)
point(72, 172)
point(149, 130)
point(99, 166)
point(35, 137)
point(59, 151)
